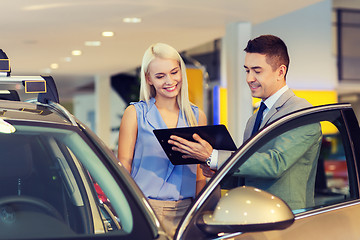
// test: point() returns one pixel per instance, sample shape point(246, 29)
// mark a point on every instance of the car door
point(224, 210)
point(60, 182)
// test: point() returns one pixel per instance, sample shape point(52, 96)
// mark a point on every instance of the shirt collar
point(270, 101)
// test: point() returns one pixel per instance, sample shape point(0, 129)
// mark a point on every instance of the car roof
point(17, 110)
point(45, 108)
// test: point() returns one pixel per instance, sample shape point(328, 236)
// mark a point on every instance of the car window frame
point(245, 150)
point(143, 215)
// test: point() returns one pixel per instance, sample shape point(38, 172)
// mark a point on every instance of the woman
point(164, 103)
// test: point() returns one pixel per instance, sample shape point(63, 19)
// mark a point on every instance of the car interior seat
point(16, 164)
point(24, 209)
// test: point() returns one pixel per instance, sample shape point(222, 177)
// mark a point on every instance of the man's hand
point(207, 171)
point(200, 149)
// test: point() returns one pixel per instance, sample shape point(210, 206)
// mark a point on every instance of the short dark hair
point(273, 47)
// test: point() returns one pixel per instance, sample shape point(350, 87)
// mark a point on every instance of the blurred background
point(93, 50)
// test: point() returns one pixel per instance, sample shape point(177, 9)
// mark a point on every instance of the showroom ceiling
point(40, 35)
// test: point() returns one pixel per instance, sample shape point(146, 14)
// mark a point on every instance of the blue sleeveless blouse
point(151, 169)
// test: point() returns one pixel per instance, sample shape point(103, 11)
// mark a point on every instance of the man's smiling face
point(262, 79)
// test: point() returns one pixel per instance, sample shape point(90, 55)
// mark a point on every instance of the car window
point(321, 174)
point(284, 166)
point(332, 177)
point(306, 166)
point(306, 160)
point(50, 180)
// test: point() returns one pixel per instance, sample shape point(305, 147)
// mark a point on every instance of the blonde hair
point(162, 50)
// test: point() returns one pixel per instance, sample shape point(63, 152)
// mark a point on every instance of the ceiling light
point(93, 43)
point(54, 66)
point(108, 34)
point(46, 6)
point(132, 20)
point(76, 52)
point(67, 59)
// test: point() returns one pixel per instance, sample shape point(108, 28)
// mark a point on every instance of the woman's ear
point(147, 77)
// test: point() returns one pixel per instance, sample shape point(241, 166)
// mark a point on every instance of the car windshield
point(47, 178)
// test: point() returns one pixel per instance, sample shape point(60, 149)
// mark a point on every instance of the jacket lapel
point(277, 106)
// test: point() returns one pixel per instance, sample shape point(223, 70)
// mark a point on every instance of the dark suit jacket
point(285, 166)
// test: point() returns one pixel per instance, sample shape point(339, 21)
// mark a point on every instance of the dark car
point(59, 181)
point(57, 178)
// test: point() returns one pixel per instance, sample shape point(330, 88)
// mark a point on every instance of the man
point(286, 166)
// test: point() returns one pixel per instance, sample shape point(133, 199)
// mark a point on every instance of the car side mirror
point(246, 209)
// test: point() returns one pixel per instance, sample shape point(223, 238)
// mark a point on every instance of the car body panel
point(30, 112)
point(336, 223)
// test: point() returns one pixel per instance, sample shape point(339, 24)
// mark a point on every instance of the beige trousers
point(170, 213)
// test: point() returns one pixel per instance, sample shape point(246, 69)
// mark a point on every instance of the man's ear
point(282, 72)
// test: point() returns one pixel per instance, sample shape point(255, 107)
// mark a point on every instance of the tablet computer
point(217, 135)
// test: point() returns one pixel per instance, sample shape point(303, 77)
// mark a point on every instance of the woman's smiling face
point(165, 76)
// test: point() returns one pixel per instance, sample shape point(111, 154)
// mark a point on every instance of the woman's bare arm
point(127, 137)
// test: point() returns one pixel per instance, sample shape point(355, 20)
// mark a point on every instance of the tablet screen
point(217, 135)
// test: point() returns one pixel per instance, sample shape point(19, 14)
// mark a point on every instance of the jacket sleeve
point(283, 151)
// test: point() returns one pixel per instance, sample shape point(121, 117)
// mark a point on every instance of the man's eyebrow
point(256, 67)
